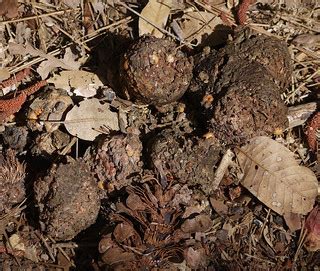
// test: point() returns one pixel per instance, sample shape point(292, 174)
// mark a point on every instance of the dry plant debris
point(312, 241)
point(155, 98)
point(157, 13)
point(273, 175)
point(12, 177)
point(149, 231)
point(48, 109)
point(82, 83)
point(88, 118)
point(188, 160)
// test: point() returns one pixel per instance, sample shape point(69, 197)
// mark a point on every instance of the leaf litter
point(93, 177)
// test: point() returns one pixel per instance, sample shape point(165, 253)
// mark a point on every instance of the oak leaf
point(272, 174)
point(156, 12)
point(197, 25)
point(87, 120)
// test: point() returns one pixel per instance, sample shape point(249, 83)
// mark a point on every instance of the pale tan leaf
point(198, 24)
point(272, 174)
point(46, 66)
point(85, 121)
point(156, 12)
point(83, 83)
point(4, 74)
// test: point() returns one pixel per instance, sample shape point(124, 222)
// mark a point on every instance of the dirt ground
point(159, 135)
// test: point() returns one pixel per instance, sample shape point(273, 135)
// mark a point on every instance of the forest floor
point(159, 135)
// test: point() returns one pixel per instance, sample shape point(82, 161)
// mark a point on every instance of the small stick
point(151, 23)
point(82, 40)
point(38, 16)
point(222, 168)
point(50, 252)
point(62, 252)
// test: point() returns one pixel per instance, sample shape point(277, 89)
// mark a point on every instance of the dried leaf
point(112, 253)
point(197, 25)
point(4, 74)
point(135, 203)
point(16, 243)
point(200, 223)
point(272, 174)
point(312, 242)
point(86, 120)
point(157, 12)
point(83, 83)
point(307, 40)
point(293, 221)
point(191, 210)
point(124, 231)
point(219, 206)
point(196, 258)
point(47, 66)
point(9, 8)
point(52, 62)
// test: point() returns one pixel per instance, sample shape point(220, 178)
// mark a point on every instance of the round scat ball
point(155, 72)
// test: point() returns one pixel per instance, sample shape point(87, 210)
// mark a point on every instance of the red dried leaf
point(312, 242)
point(13, 105)
point(242, 11)
point(18, 77)
point(311, 131)
point(9, 8)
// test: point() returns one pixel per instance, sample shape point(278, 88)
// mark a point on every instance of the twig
point(69, 146)
point(154, 25)
point(222, 168)
point(62, 252)
point(216, 11)
point(265, 223)
point(291, 20)
point(302, 238)
point(71, 38)
point(59, 12)
point(257, 258)
point(47, 246)
point(19, 66)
